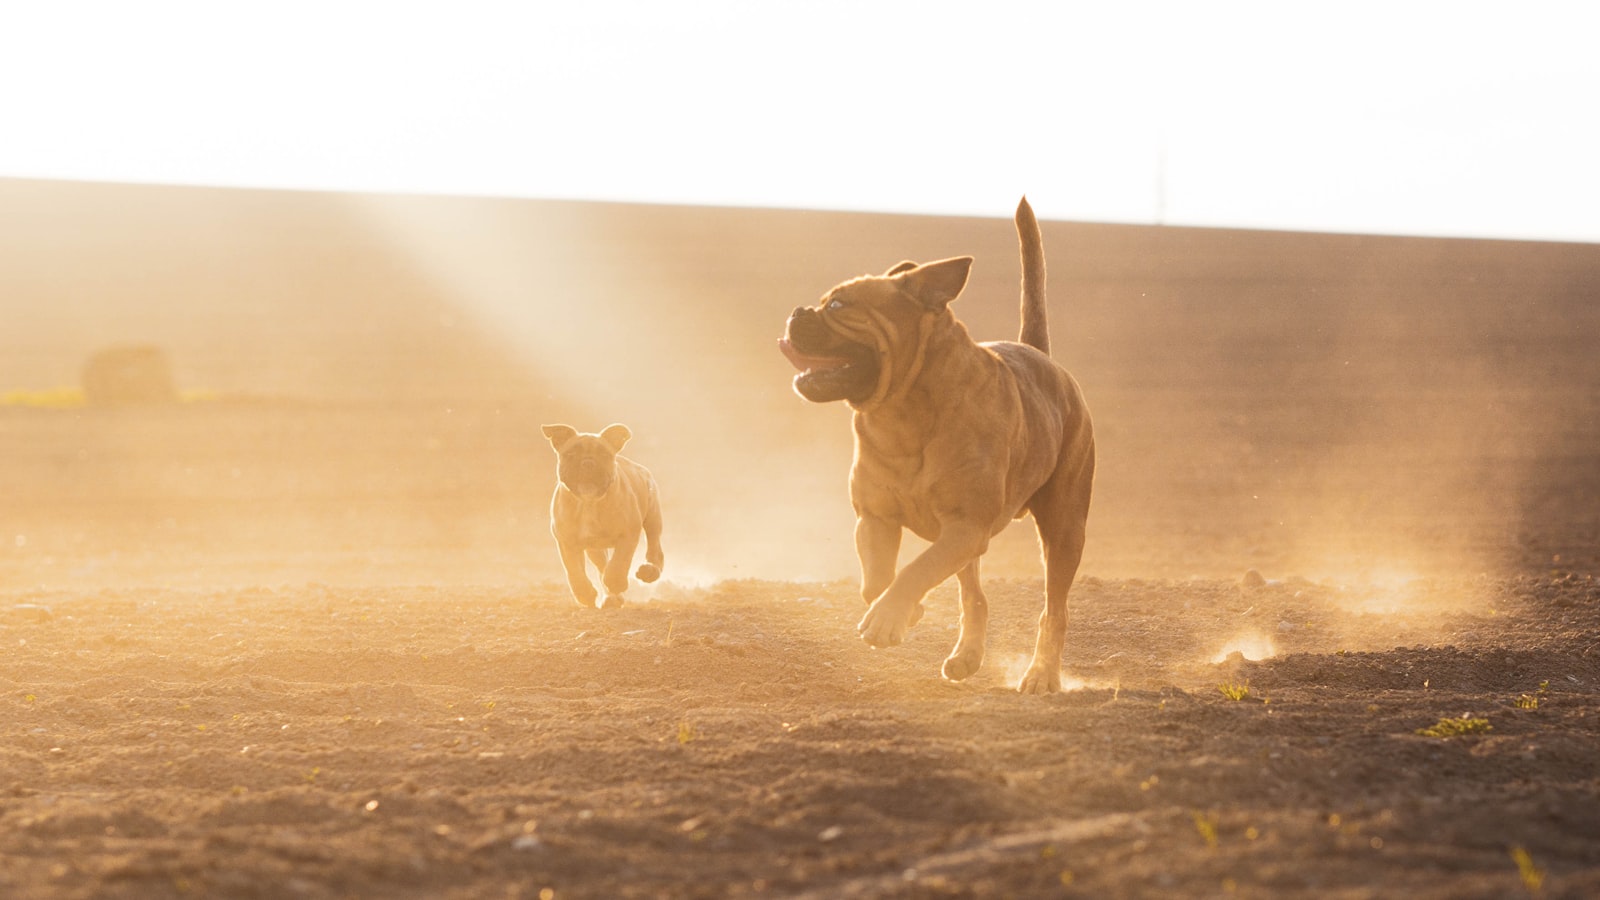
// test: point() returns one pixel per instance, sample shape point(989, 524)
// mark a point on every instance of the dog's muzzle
point(587, 478)
point(830, 366)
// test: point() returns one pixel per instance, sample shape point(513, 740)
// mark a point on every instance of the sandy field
point(303, 633)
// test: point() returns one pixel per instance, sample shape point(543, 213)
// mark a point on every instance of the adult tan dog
point(602, 503)
point(954, 439)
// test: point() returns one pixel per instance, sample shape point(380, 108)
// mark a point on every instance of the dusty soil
point(454, 741)
point(303, 635)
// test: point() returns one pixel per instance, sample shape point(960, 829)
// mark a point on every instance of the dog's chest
point(895, 490)
point(594, 528)
point(599, 523)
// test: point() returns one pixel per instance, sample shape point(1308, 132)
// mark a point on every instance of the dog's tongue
point(806, 363)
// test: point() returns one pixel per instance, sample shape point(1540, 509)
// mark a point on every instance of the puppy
point(601, 505)
point(953, 440)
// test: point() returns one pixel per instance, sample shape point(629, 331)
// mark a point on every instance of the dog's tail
point(1035, 317)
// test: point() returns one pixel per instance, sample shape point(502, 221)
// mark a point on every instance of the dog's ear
point(897, 268)
point(615, 437)
point(935, 284)
point(560, 435)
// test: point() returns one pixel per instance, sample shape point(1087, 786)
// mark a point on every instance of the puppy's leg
point(598, 557)
point(653, 558)
point(889, 616)
point(577, 576)
point(968, 653)
point(1061, 519)
point(615, 575)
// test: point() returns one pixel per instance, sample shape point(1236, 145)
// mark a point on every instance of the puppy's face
point(846, 345)
point(587, 463)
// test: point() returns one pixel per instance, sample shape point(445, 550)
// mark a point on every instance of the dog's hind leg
point(1061, 515)
point(968, 653)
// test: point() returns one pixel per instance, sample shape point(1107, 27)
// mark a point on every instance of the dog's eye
point(836, 304)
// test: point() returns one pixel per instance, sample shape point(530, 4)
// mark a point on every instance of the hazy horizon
point(1307, 404)
point(1003, 214)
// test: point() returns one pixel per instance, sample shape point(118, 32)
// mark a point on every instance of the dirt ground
point(450, 741)
point(303, 635)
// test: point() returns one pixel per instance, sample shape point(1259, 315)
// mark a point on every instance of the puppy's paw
point(647, 573)
point(585, 602)
point(882, 626)
point(1041, 680)
point(612, 601)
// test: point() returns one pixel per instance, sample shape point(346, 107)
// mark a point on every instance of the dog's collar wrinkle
point(887, 378)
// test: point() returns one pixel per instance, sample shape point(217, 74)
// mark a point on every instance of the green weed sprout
point(1448, 728)
point(1532, 876)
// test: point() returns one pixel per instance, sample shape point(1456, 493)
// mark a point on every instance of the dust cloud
point(376, 368)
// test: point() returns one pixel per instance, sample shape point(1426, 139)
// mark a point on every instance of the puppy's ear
point(615, 436)
point(897, 268)
point(560, 435)
point(935, 284)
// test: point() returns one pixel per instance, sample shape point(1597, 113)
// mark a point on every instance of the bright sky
point(1448, 118)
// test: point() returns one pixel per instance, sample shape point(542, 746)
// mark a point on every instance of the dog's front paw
point(647, 573)
point(883, 626)
point(587, 602)
point(1041, 680)
point(612, 601)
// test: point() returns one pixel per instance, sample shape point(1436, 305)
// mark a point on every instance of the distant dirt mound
point(130, 375)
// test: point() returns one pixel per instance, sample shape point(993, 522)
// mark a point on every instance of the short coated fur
point(954, 439)
point(602, 503)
